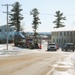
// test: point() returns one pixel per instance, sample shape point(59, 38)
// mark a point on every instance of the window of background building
point(60, 33)
point(54, 33)
point(67, 33)
point(10, 35)
point(57, 40)
point(74, 32)
point(53, 40)
point(10, 30)
point(70, 33)
point(71, 40)
point(5, 35)
point(62, 40)
point(57, 33)
point(64, 33)
point(0, 30)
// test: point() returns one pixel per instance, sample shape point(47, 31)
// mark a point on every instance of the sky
point(46, 8)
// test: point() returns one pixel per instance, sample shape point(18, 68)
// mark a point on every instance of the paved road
point(35, 63)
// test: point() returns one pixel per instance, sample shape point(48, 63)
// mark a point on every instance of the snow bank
point(65, 67)
point(61, 73)
point(12, 50)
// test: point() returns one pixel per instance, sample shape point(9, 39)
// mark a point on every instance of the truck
point(22, 41)
point(19, 39)
point(28, 42)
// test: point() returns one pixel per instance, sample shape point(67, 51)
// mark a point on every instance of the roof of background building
point(72, 28)
point(20, 34)
point(5, 26)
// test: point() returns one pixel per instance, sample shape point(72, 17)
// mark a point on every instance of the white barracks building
point(63, 35)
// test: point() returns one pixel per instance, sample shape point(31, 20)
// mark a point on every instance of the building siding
point(3, 32)
point(62, 37)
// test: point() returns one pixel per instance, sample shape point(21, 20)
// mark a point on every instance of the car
point(68, 47)
point(52, 47)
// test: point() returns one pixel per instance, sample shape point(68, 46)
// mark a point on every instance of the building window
point(53, 40)
point(70, 33)
point(0, 30)
point(54, 33)
point(64, 41)
point(74, 32)
point(10, 30)
point(5, 35)
point(67, 33)
point(57, 33)
point(64, 33)
point(60, 33)
point(10, 35)
point(57, 40)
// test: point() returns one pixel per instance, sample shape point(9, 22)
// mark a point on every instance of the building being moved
point(63, 35)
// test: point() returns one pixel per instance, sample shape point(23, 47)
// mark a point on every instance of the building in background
point(63, 35)
point(3, 33)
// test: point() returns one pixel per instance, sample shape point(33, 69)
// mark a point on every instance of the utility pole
point(7, 5)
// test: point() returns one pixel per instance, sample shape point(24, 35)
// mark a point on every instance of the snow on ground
point(12, 50)
point(61, 73)
point(65, 67)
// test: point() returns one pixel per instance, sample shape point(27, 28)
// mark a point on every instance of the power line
point(49, 14)
point(42, 13)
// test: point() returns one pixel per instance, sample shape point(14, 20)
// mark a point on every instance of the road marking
point(52, 69)
point(54, 66)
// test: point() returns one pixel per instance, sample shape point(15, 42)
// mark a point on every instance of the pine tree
point(16, 16)
point(59, 18)
point(35, 22)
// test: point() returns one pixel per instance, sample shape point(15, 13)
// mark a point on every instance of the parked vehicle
point(19, 39)
point(68, 47)
point(34, 45)
point(52, 47)
point(28, 42)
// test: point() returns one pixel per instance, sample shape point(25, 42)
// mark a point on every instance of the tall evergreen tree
point(35, 22)
point(16, 16)
point(59, 18)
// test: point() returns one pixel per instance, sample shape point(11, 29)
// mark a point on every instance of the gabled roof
point(20, 34)
point(72, 28)
point(5, 27)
